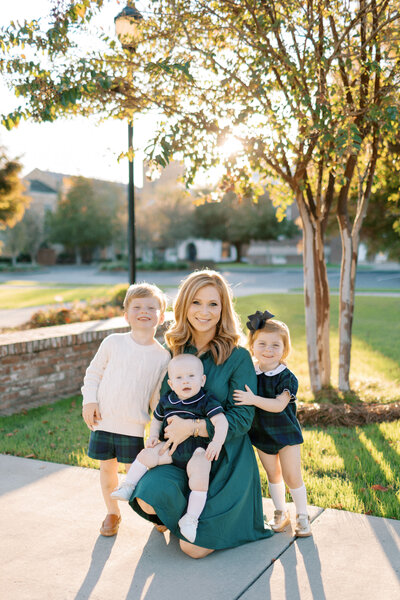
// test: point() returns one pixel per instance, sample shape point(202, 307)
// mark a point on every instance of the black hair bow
point(258, 320)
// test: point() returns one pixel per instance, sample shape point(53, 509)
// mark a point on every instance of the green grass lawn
point(350, 469)
point(21, 295)
point(375, 358)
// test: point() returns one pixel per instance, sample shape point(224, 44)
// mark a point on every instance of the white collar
point(278, 369)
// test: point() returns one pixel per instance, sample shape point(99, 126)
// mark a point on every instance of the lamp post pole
point(131, 210)
point(127, 30)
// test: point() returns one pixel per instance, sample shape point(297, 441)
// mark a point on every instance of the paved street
point(265, 279)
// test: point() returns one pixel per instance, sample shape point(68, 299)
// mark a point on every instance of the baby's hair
point(188, 357)
point(273, 326)
point(145, 290)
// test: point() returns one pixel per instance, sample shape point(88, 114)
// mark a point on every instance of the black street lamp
point(127, 30)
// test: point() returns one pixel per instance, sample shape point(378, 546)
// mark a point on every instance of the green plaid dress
point(270, 432)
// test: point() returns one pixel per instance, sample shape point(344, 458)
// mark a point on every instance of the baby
point(187, 400)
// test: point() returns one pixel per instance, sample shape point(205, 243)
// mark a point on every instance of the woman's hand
point(244, 398)
point(176, 432)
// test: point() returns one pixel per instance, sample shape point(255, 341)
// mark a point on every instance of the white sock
point(135, 473)
point(277, 493)
point(196, 503)
point(299, 496)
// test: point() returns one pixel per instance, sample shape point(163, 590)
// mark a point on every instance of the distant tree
point(80, 221)
point(25, 237)
point(240, 221)
point(165, 218)
point(13, 201)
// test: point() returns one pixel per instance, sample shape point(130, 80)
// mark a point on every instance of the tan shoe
point(303, 526)
point(110, 525)
point(280, 521)
point(161, 528)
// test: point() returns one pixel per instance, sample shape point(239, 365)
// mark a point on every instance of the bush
point(117, 299)
point(78, 312)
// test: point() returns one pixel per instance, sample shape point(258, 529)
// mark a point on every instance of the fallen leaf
point(29, 456)
point(368, 512)
point(45, 421)
point(9, 434)
point(379, 487)
point(362, 489)
point(52, 445)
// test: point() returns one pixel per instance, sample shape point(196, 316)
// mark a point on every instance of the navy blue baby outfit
point(200, 406)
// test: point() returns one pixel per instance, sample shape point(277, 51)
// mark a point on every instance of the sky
point(78, 146)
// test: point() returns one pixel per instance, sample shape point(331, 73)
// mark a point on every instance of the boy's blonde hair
point(228, 329)
point(272, 326)
point(145, 290)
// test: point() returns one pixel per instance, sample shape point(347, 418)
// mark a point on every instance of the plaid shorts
point(104, 445)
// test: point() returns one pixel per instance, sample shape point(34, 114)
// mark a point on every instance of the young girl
point(276, 432)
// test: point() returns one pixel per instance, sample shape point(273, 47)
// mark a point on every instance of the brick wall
point(39, 366)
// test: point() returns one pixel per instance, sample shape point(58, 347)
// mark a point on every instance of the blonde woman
point(206, 325)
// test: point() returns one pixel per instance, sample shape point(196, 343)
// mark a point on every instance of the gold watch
point(196, 423)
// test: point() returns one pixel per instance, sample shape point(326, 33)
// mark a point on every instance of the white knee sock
point(277, 493)
point(196, 503)
point(135, 473)
point(299, 496)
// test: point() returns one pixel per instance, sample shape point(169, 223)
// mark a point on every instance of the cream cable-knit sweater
point(125, 378)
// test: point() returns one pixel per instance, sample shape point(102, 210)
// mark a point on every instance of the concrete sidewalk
point(51, 549)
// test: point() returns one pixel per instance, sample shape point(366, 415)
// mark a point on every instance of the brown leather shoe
point(110, 525)
point(160, 528)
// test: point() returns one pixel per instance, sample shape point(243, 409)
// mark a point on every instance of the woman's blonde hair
point(228, 328)
point(272, 326)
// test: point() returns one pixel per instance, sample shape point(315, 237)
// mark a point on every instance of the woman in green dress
point(207, 325)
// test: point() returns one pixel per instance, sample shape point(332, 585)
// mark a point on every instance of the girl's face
point(204, 312)
point(268, 349)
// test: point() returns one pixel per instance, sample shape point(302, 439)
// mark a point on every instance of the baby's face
point(186, 378)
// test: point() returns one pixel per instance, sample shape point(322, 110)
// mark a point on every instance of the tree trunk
point(350, 236)
point(316, 298)
point(78, 256)
point(346, 304)
point(238, 246)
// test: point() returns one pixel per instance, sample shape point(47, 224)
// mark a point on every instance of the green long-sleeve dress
point(233, 513)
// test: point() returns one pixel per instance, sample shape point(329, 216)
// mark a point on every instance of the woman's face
point(205, 310)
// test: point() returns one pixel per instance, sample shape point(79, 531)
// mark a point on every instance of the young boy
point(120, 384)
point(187, 400)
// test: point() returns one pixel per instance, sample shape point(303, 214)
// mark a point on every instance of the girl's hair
point(145, 290)
point(272, 326)
point(228, 331)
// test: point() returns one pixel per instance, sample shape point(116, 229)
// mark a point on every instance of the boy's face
point(185, 378)
point(144, 313)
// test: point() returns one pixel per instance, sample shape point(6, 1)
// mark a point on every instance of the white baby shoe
point(188, 526)
point(123, 492)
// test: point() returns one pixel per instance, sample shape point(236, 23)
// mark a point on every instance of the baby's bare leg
point(151, 457)
point(198, 470)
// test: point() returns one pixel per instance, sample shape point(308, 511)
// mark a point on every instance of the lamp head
point(127, 26)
